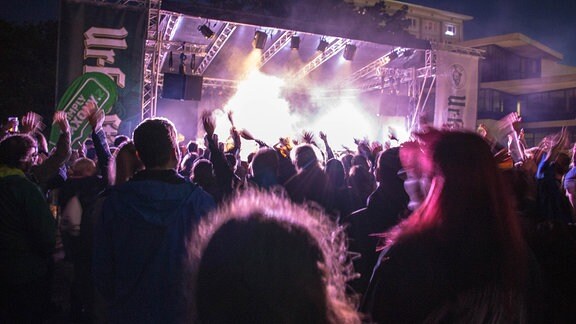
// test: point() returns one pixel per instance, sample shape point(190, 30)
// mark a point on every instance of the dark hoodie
point(140, 246)
point(387, 206)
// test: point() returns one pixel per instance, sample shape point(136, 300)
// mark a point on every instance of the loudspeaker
point(183, 87)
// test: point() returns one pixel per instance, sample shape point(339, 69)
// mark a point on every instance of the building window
point(450, 30)
point(413, 24)
point(430, 27)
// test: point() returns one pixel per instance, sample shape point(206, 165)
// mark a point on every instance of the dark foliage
point(28, 74)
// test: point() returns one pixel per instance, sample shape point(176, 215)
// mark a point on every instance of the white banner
point(456, 90)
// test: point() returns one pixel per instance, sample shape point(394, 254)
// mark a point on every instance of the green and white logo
point(92, 85)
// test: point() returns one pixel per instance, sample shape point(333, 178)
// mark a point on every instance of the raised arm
point(96, 120)
point(46, 171)
point(557, 145)
point(31, 123)
point(329, 152)
point(224, 175)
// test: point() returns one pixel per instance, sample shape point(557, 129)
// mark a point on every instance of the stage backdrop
point(456, 90)
point(106, 38)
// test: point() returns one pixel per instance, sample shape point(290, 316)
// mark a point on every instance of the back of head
point(192, 146)
point(360, 160)
point(390, 183)
point(125, 163)
point(265, 160)
point(83, 167)
point(466, 176)
point(388, 164)
point(305, 156)
point(202, 172)
point(347, 161)
point(155, 141)
point(187, 163)
point(361, 182)
point(468, 169)
point(15, 150)
point(335, 172)
point(263, 259)
point(120, 139)
point(470, 206)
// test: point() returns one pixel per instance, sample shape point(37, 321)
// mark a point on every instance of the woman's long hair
point(468, 208)
point(262, 258)
point(124, 164)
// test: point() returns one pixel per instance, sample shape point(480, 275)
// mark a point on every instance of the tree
point(28, 73)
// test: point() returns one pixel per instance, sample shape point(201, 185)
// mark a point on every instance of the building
point(432, 24)
point(520, 74)
point(516, 73)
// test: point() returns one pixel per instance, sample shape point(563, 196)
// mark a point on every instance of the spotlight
point(322, 45)
point(206, 31)
point(259, 39)
point(295, 42)
point(349, 52)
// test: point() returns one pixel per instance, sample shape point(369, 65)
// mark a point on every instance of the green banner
point(105, 37)
point(90, 86)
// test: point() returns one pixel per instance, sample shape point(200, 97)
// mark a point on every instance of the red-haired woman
point(460, 257)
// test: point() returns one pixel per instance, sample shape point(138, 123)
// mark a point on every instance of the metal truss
point(423, 89)
point(139, 3)
point(227, 31)
point(334, 48)
point(282, 41)
point(151, 66)
point(219, 83)
point(198, 50)
point(136, 3)
point(458, 49)
point(375, 66)
point(168, 25)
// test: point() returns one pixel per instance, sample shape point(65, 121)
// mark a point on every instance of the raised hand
point(31, 122)
point(230, 115)
point(208, 123)
point(61, 120)
point(506, 125)
point(563, 141)
point(94, 114)
point(308, 137)
point(323, 136)
point(245, 134)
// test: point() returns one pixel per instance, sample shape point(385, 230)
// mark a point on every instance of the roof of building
point(534, 85)
point(443, 14)
point(519, 44)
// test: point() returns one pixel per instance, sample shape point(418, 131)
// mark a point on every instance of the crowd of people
point(449, 226)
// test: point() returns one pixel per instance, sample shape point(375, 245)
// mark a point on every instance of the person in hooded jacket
point(141, 235)
point(386, 207)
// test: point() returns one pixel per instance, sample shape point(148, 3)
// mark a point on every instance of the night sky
point(551, 22)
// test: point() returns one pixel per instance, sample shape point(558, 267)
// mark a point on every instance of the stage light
point(295, 42)
point(349, 52)
point(259, 39)
point(322, 45)
point(206, 31)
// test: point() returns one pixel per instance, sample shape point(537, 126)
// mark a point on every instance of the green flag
point(92, 85)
